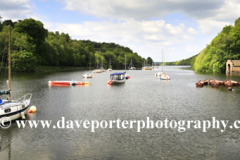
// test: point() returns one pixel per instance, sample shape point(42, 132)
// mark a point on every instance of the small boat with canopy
point(117, 78)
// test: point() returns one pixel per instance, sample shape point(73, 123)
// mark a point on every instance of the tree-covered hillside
point(226, 45)
point(32, 45)
point(189, 61)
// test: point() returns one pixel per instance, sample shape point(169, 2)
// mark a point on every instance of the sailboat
point(88, 74)
point(12, 109)
point(126, 75)
point(164, 76)
point(159, 74)
point(131, 67)
point(97, 70)
point(110, 69)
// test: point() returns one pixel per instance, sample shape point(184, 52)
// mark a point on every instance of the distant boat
point(97, 70)
point(110, 69)
point(147, 68)
point(127, 76)
point(88, 74)
point(158, 74)
point(164, 76)
point(131, 67)
point(68, 83)
point(117, 78)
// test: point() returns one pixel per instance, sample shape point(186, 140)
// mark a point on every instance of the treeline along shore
point(212, 59)
point(33, 47)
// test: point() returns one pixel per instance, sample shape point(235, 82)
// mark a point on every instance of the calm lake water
point(143, 95)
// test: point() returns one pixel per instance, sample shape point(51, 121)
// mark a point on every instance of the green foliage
point(32, 46)
point(33, 29)
point(225, 46)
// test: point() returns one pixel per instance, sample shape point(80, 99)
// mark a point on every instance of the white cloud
point(129, 23)
point(191, 31)
point(208, 26)
point(147, 38)
point(15, 9)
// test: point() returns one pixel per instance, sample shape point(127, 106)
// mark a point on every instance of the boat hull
point(87, 76)
point(10, 111)
point(228, 83)
point(199, 83)
point(164, 77)
point(118, 81)
point(214, 84)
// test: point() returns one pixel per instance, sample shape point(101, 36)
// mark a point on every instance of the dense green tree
point(33, 45)
point(224, 46)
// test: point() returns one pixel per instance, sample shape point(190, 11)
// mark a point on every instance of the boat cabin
point(117, 76)
point(232, 66)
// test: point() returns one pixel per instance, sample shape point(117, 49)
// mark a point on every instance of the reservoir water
point(142, 96)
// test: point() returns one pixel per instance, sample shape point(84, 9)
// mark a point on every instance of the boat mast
point(125, 61)
point(162, 60)
point(90, 61)
point(9, 63)
point(102, 63)
point(110, 63)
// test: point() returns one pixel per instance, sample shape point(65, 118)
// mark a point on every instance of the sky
point(179, 28)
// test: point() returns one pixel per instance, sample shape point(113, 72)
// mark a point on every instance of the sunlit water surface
point(143, 95)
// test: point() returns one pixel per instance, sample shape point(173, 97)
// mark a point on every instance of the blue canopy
point(119, 73)
point(1, 102)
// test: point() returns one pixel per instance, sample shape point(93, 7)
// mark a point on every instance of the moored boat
point(12, 109)
point(158, 74)
point(200, 83)
point(67, 83)
point(214, 83)
point(228, 83)
point(117, 78)
point(88, 75)
point(206, 81)
point(164, 77)
point(220, 82)
point(235, 83)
